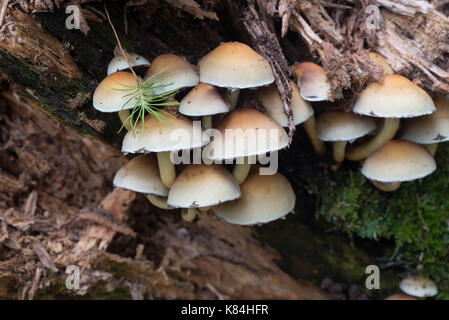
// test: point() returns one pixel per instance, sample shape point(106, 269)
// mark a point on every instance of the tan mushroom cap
point(380, 61)
point(418, 286)
point(247, 132)
point(178, 133)
point(235, 65)
point(119, 62)
point(201, 185)
point(271, 100)
point(203, 100)
point(312, 81)
point(110, 95)
point(401, 296)
point(429, 129)
point(141, 174)
point(343, 126)
point(176, 73)
point(397, 161)
point(397, 97)
point(264, 198)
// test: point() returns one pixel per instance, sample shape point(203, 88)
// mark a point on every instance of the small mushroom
point(301, 109)
point(396, 98)
point(235, 66)
point(200, 186)
point(380, 61)
point(312, 81)
point(339, 127)
point(398, 161)
point(429, 130)
point(203, 100)
point(264, 198)
point(141, 174)
point(119, 63)
point(173, 73)
point(178, 133)
point(239, 139)
point(418, 286)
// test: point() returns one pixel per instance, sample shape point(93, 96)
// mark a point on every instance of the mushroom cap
point(119, 62)
point(174, 71)
point(401, 296)
point(203, 100)
point(264, 198)
point(343, 126)
point(141, 174)
point(380, 61)
point(397, 97)
point(178, 133)
point(201, 185)
point(418, 286)
point(429, 129)
point(271, 100)
point(235, 65)
point(312, 81)
point(111, 93)
point(398, 161)
point(247, 132)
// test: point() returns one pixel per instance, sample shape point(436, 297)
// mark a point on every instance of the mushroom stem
point(310, 127)
point(188, 214)
point(204, 209)
point(387, 187)
point(432, 148)
point(339, 149)
point(241, 171)
point(207, 122)
point(158, 202)
point(233, 97)
point(124, 115)
point(363, 151)
point(166, 168)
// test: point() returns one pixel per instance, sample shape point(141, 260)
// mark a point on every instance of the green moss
point(415, 217)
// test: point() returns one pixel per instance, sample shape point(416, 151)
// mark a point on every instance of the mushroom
point(397, 161)
point(178, 133)
point(339, 127)
point(312, 81)
point(141, 174)
point(429, 130)
point(173, 72)
point(203, 100)
point(396, 98)
point(418, 286)
point(119, 62)
point(401, 296)
point(235, 66)
point(244, 133)
point(302, 111)
point(380, 61)
point(264, 198)
point(202, 186)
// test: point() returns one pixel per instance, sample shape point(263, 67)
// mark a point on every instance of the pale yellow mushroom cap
point(119, 62)
point(429, 129)
point(398, 161)
point(178, 133)
point(271, 100)
point(247, 132)
point(380, 61)
point(397, 97)
point(174, 71)
point(419, 286)
point(201, 185)
point(203, 100)
point(235, 65)
point(111, 93)
point(312, 81)
point(343, 126)
point(264, 198)
point(141, 174)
